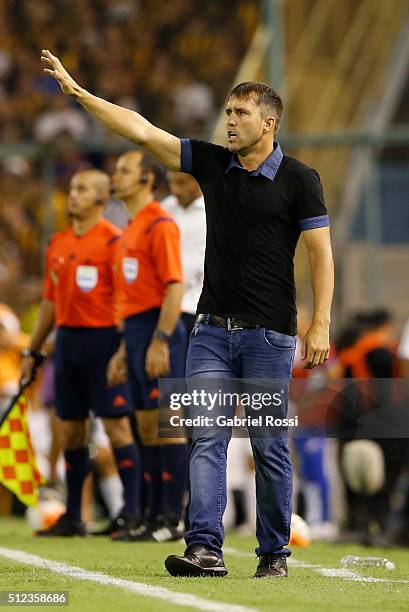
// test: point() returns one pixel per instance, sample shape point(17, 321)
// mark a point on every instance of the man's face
point(184, 187)
point(127, 175)
point(82, 196)
point(245, 124)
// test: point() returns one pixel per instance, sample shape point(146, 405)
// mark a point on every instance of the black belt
point(230, 323)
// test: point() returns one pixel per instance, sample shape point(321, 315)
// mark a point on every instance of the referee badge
point(86, 277)
point(130, 266)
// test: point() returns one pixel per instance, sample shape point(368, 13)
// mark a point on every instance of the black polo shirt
point(254, 220)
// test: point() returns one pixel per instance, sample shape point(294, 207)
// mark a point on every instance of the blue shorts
point(81, 358)
point(138, 332)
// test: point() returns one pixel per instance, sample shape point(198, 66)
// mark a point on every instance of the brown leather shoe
point(196, 561)
point(272, 566)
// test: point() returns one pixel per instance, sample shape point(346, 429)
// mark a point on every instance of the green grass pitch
point(305, 589)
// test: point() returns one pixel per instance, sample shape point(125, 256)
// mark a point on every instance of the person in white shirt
point(187, 207)
point(403, 351)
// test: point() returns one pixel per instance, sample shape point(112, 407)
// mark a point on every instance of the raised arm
point(129, 124)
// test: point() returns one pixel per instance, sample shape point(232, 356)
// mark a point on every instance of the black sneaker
point(129, 535)
point(272, 566)
point(196, 561)
point(139, 532)
point(66, 526)
point(118, 525)
point(161, 533)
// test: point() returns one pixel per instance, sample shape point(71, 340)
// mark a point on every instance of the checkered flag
point(18, 465)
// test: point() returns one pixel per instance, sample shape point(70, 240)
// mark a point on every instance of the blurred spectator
point(170, 60)
point(188, 209)
point(112, 46)
point(371, 467)
point(60, 116)
point(193, 103)
point(313, 478)
point(403, 351)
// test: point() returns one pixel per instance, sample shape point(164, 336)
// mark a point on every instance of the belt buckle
point(231, 326)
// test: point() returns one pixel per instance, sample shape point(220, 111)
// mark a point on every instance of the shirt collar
point(268, 168)
point(198, 203)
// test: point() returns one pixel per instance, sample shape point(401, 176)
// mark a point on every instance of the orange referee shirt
point(80, 276)
point(149, 259)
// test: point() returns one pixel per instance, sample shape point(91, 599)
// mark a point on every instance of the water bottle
point(354, 561)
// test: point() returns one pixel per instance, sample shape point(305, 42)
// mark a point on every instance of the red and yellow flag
point(18, 465)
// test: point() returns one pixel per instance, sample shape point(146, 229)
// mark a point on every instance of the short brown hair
point(150, 165)
point(262, 94)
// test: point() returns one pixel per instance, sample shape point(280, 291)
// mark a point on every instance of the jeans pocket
point(277, 340)
point(195, 330)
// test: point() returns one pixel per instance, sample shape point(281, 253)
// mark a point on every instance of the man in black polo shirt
point(257, 204)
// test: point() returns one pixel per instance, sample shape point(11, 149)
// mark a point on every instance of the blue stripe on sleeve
point(186, 155)
point(314, 222)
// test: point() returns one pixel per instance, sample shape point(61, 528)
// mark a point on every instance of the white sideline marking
point(79, 573)
point(348, 574)
point(328, 572)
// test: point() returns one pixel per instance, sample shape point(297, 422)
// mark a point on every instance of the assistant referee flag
point(18, 465)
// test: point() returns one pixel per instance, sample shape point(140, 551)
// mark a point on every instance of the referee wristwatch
point(38, 356)
point(28, 352)
point(158, 334)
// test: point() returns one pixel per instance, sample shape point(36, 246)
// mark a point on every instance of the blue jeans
point(215, 352)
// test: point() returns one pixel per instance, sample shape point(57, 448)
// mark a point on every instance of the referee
point(258, 202)
point(149, 290)
point(79, 299)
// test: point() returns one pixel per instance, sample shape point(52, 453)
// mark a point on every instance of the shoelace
point(270, 561)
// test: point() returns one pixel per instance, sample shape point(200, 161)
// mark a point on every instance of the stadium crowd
point(169, 60)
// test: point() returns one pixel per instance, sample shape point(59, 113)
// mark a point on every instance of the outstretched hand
point(54, 68)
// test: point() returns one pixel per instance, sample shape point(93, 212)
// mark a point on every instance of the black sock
point(152, 470)
point(128, 461)
point(77, 467)
point(175, 458)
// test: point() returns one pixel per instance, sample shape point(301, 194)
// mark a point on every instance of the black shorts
point(81, 358)
point(138, 331)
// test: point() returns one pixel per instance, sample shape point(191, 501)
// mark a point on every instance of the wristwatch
point(38, 356)
point(28, 352)
point(161, 335)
